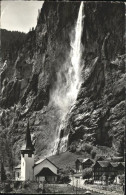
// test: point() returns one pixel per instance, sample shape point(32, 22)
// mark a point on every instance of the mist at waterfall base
point(68, 83)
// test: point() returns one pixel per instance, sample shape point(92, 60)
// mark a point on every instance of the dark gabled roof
point(28, 146)
point(115, 159)
point(100, 158)
point(80, 160)
point(46, 172)
point(86, 159)
point(114, 164)
point(103, 163)
point(123, 163)
point(41, 160)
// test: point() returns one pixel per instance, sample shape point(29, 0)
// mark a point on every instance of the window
point(18, 174)
point(29, 155)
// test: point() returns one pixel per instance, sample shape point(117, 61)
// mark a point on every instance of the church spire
point(29, 145)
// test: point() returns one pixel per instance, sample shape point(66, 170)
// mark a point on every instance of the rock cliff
point(98, 114)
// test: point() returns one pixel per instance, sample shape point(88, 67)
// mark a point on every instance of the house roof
point(103, 163)
point(123, 163)
point(115, 164)
point(86, 159)
point(41, 160)
point(18, 166)
point(100, 158)
point(46, 172)
point(80, 159)
point(115, 159)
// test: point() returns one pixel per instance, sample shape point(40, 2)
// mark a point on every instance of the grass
point(65, 189)
point(32, 188)
point(67, 159)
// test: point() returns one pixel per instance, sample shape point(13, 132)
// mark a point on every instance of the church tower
point(27, 158)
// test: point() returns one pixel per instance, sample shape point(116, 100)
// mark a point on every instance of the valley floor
point(101, 190)
point(33, 188)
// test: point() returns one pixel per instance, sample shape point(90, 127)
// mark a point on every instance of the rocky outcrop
point(98, 114)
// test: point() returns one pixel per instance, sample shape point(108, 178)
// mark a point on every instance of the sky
point(19, 15)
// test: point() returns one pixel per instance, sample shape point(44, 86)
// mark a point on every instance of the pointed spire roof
point(29, 145)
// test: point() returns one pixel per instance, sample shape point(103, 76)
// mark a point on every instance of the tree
point(87, 173)
point(3, 174)
point(93, 154)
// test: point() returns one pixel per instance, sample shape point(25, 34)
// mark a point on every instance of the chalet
point(107, 169)
point(87, 163)
point(45, 170)
point(100, 168)
point(41, 170)
point(81, 164)
point(78, 164)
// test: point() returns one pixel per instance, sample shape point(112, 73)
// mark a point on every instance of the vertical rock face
point(98, 114)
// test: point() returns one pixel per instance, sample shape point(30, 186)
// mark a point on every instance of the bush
point(93, 154)
point(73, 147)
point(24, 184)
point(88, 148)
point(64, 179)
point(122, 178)
point(7, 188)
point(87, 173)
point(17, 184)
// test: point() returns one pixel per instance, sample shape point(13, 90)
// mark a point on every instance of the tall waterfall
point(68, 82)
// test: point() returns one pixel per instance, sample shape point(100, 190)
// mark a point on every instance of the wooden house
point(107, 169)
point(81, 164)
point(45, 170)
point(100, 168)
point(78, 165)
point(87, 163)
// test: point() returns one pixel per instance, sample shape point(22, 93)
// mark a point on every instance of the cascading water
point(68, 82)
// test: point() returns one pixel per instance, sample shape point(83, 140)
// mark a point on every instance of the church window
point(29, 155)
point(18, 174)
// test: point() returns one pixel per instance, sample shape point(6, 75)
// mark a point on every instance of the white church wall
point(27, 164)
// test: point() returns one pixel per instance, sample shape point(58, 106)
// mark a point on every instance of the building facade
point(29, 170)
point(105, 170)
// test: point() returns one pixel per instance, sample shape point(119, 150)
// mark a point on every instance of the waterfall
point(68, 82)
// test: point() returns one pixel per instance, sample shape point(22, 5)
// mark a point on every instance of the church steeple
point(29, 145)
point(27, 157)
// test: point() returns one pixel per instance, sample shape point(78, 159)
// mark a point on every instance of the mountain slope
point(97, 117)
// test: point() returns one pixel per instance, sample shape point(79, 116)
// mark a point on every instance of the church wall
point(27, 164)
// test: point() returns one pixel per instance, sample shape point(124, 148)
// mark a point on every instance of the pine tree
point(3, 174)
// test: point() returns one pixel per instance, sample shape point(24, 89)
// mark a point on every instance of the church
point(42, 170)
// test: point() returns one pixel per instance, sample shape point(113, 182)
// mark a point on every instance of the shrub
point(87, 173)
point(17, 184)
point(25, 184)
point(7, 188)
point(93, 154)
point(122, 178)
point(64, 179)
point(88, 148)
point(73, 147)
